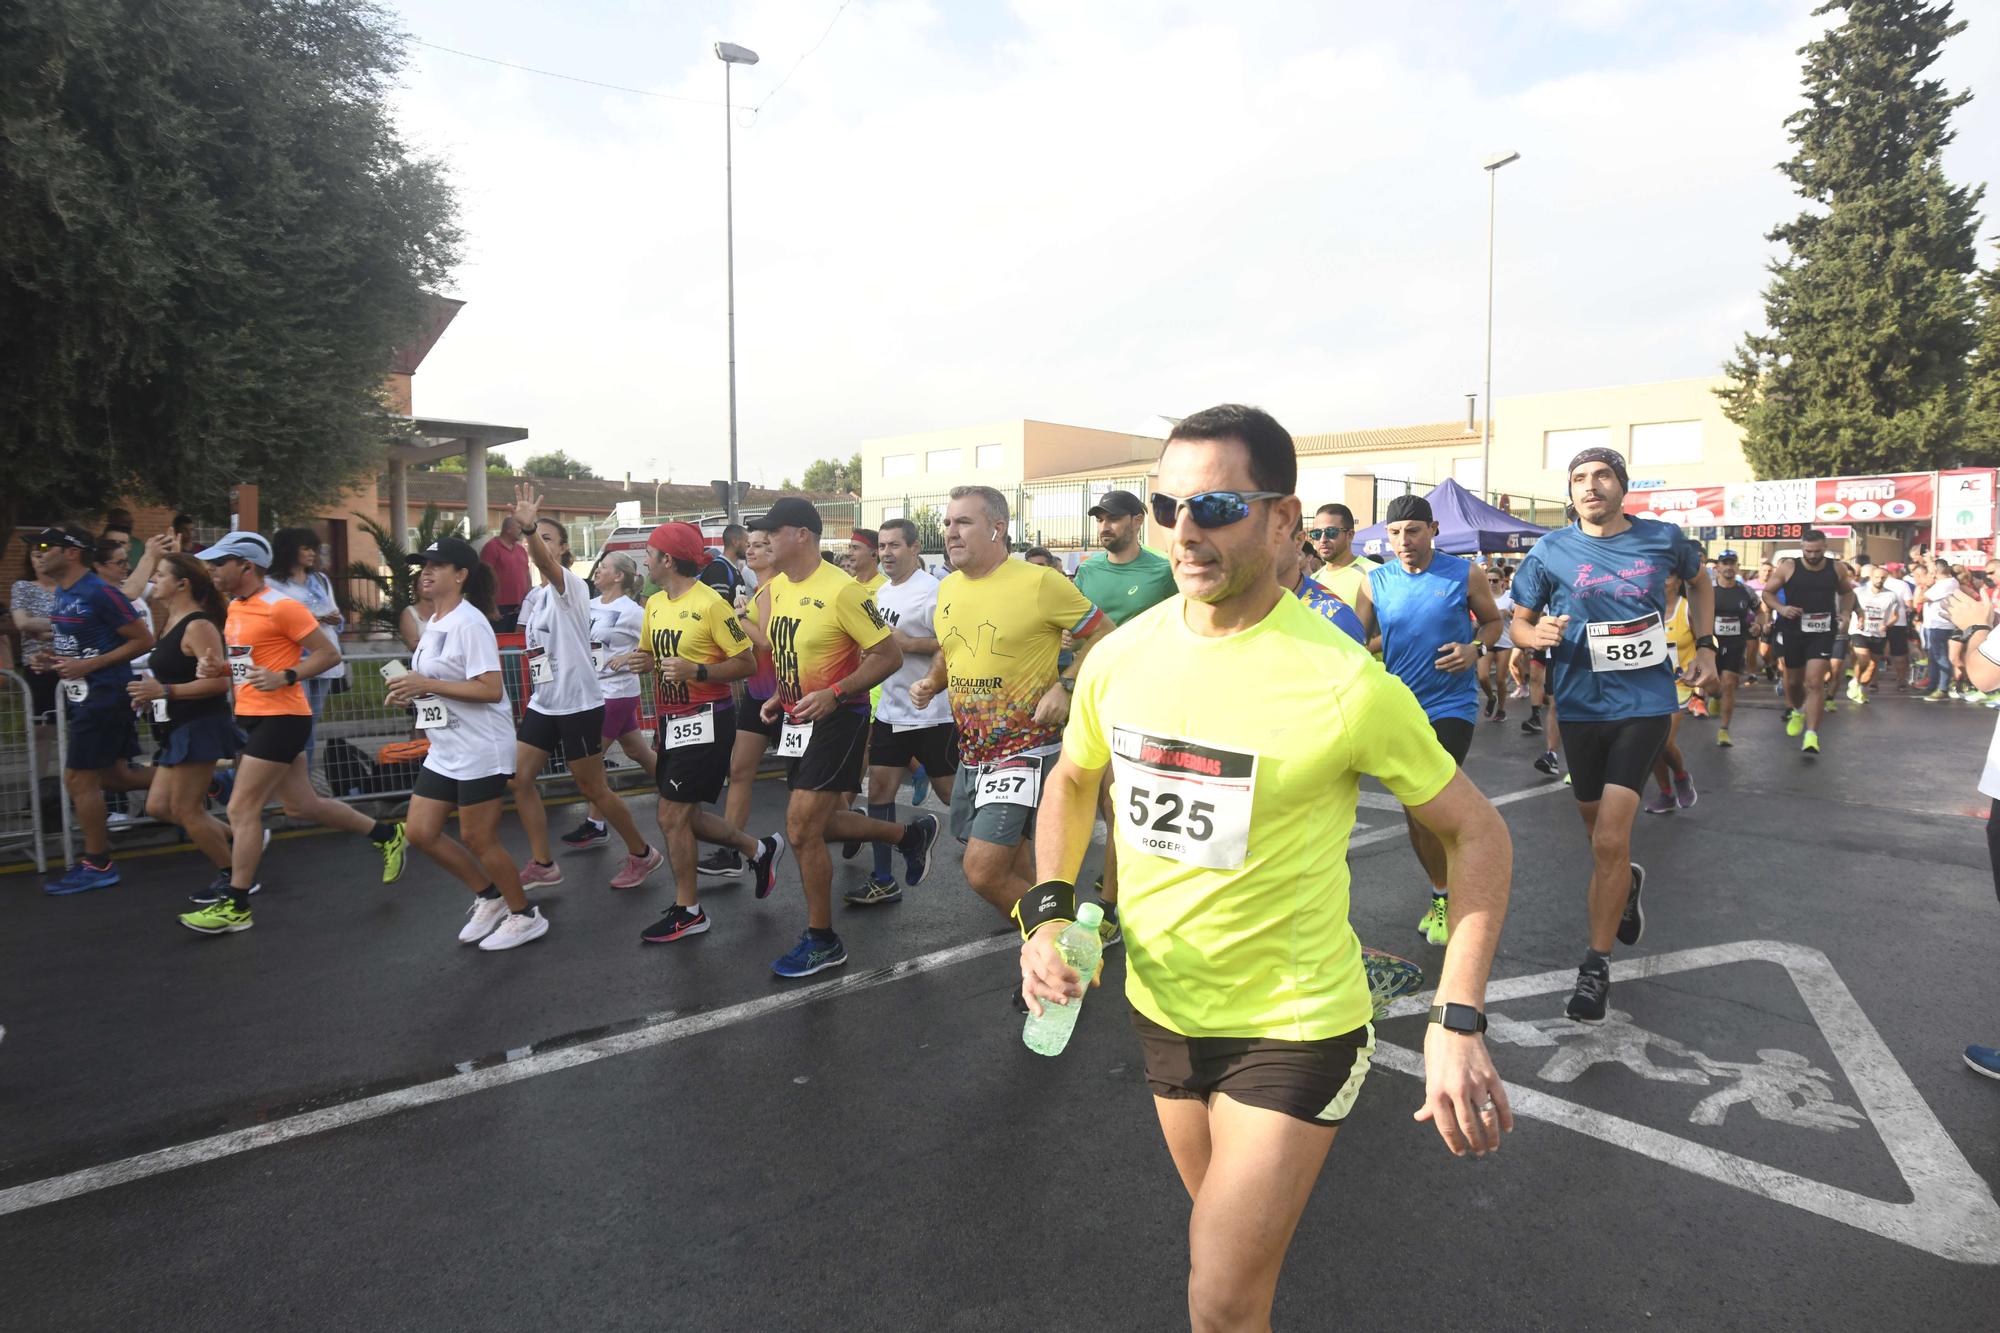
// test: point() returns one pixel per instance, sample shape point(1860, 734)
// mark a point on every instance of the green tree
point(395, 580)
point(830, 474)
point(1870, 307)
point(559, 466)
point(211, 237)
point(1982, 412)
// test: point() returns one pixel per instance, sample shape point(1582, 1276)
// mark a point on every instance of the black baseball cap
point(447, 551)
point(1406, 507)
point(787, 512)
point(59, 537)
point(1117, 504)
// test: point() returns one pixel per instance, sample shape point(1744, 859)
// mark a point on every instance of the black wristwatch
point(291, 676)
point(701, 671)
point(1705, 641)
point(1460, 1018)
point(1067, 682)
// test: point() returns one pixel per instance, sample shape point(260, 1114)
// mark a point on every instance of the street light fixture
point(1492, 167)
point(729, 53)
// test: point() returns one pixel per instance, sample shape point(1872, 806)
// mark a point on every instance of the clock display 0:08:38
point(1775, 532)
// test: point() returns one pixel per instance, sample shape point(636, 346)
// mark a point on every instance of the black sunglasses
point(1210, 509)
point(1317, 534)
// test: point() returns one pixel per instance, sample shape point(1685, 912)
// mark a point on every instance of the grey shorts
point(1003, 824)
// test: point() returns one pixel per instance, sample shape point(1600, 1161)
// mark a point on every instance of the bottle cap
point(1089, 915)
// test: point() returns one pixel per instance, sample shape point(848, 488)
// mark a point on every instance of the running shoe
point(1831, 706)
point(82, 877)
point(1109, 932)
point(1722, 738)
point(1684, 793)
point(534, 873)
point(1569, 779)
point(1795, 722)
point(873, 892)
point(1549, 763)
point(1488, 704)
point(1934, 696)
point(770, 851)
point(1951, 691)
point(1389, 979)
point(1531, 725)
point(1520, 692)
point(810, 955)
point(722, 863)
point(922, 831)
point(1854, 692)
point(516, 929)
point(589, 833)
point(1592, 995)
point(481, 918)
point(217, 890)
point(1983, 1060)
point(1435, 925)
point(1973, 696)
point(678, 923)
point(1660, 803)
point(920, 786)
point(633, 873)
point(1810, 745)
point(1697, 706)
point(394, 853)
point(1501, 714)
point(1632, 922)
point(221, 785)
point(217, 919)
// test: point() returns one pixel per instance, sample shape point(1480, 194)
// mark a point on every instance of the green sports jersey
point(1123, 591)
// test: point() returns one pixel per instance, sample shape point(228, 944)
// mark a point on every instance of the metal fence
point(1051, 514)
point(355, 725)
point(25, 762)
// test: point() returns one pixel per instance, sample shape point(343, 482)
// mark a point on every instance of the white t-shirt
point(479, 742)
point(560, 627)
point(1902, 588)
point(911, 606)
point(1505, 602)
point(1935, 614)
point(617, 626)
point(1886, 604)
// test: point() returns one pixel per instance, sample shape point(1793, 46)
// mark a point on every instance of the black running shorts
point(461, 792)
point(695, 774)
point(569, 735)
point(1729, 654)
point(1315, 1081)
point(832, 761)
point(1798, 647)
point(1899, 640)
point(1455, 735)
point(278, 737)
point(1869, 643)
point(1613, 754)
point(936, 748)
point(750, 718)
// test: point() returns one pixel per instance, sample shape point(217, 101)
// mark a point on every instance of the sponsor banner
point(1965, 505)
point(1689, 506)
point(1902, 498)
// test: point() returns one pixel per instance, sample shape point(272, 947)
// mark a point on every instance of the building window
point(898, 465)
point(944, 460)
point(1660, 442)
point(1559, 446)
point(986, 456)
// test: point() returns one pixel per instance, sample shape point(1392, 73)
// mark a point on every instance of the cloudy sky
point(1097, 211)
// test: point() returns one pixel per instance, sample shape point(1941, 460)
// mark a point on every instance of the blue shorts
point(200, 740)
point(99, 737)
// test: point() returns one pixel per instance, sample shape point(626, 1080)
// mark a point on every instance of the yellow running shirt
point(1347, 580)
point(819, 628)
point(874, 585)
point(1000, 636)
point(1235, 766)
point(1680, 638)
point(700, 627)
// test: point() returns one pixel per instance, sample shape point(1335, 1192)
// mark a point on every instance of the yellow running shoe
point(1722, 738)
point(1795, 722)
point(1810, 745)
point(393, 852)
point(221, 918)
point(1435, 926)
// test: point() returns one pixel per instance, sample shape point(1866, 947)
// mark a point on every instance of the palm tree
point(392, 580)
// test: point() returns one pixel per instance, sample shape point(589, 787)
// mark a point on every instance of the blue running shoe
point(81, 878)
point(810, 955)
point(920, 786)
point(1983, 1060)
point(917, 839)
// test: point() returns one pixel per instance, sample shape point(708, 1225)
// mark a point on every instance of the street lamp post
point(731, 54)
point(1493, 165)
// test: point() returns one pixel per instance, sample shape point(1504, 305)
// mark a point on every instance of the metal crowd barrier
point(354, 725)
point(24, 755)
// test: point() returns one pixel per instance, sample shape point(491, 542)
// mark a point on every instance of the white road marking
point(37, 1193)
point(1398, 830)
point(1951, 1213)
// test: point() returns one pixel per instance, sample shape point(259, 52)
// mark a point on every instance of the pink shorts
point(620, 716)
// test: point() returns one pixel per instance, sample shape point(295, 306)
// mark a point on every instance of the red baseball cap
point(681, 541)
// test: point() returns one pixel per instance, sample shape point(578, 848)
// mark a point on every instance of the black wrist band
point(1051, 900)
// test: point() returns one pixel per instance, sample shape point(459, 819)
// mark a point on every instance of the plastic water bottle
point(1081, 948)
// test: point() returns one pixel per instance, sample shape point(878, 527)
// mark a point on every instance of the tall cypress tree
point(1982, 414)
point(1871, 306)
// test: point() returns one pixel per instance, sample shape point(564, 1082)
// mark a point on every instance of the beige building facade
point(1672, 433)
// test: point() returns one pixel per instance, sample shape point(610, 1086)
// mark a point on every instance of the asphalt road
point(342, 1118)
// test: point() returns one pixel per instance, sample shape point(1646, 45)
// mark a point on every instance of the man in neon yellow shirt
point(1244, 976)
point(1332, 536)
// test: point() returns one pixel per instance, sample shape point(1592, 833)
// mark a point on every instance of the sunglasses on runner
point(1210, 509)
point(1316, 534)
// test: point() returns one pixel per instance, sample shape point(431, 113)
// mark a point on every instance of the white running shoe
point(486, 913)
point(517, 929)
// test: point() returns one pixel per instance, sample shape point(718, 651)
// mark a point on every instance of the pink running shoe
point(533, 872)
point(633, 873)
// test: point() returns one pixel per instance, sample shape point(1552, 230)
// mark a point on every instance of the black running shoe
point(217, 890)
point(1531, 725)
point(770, 851)
point(679, 923)
point(1633, 923)
point(722, 863)
point(918, 836)
point(1592, 995)
point(589, 833)
point(1548, 763)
